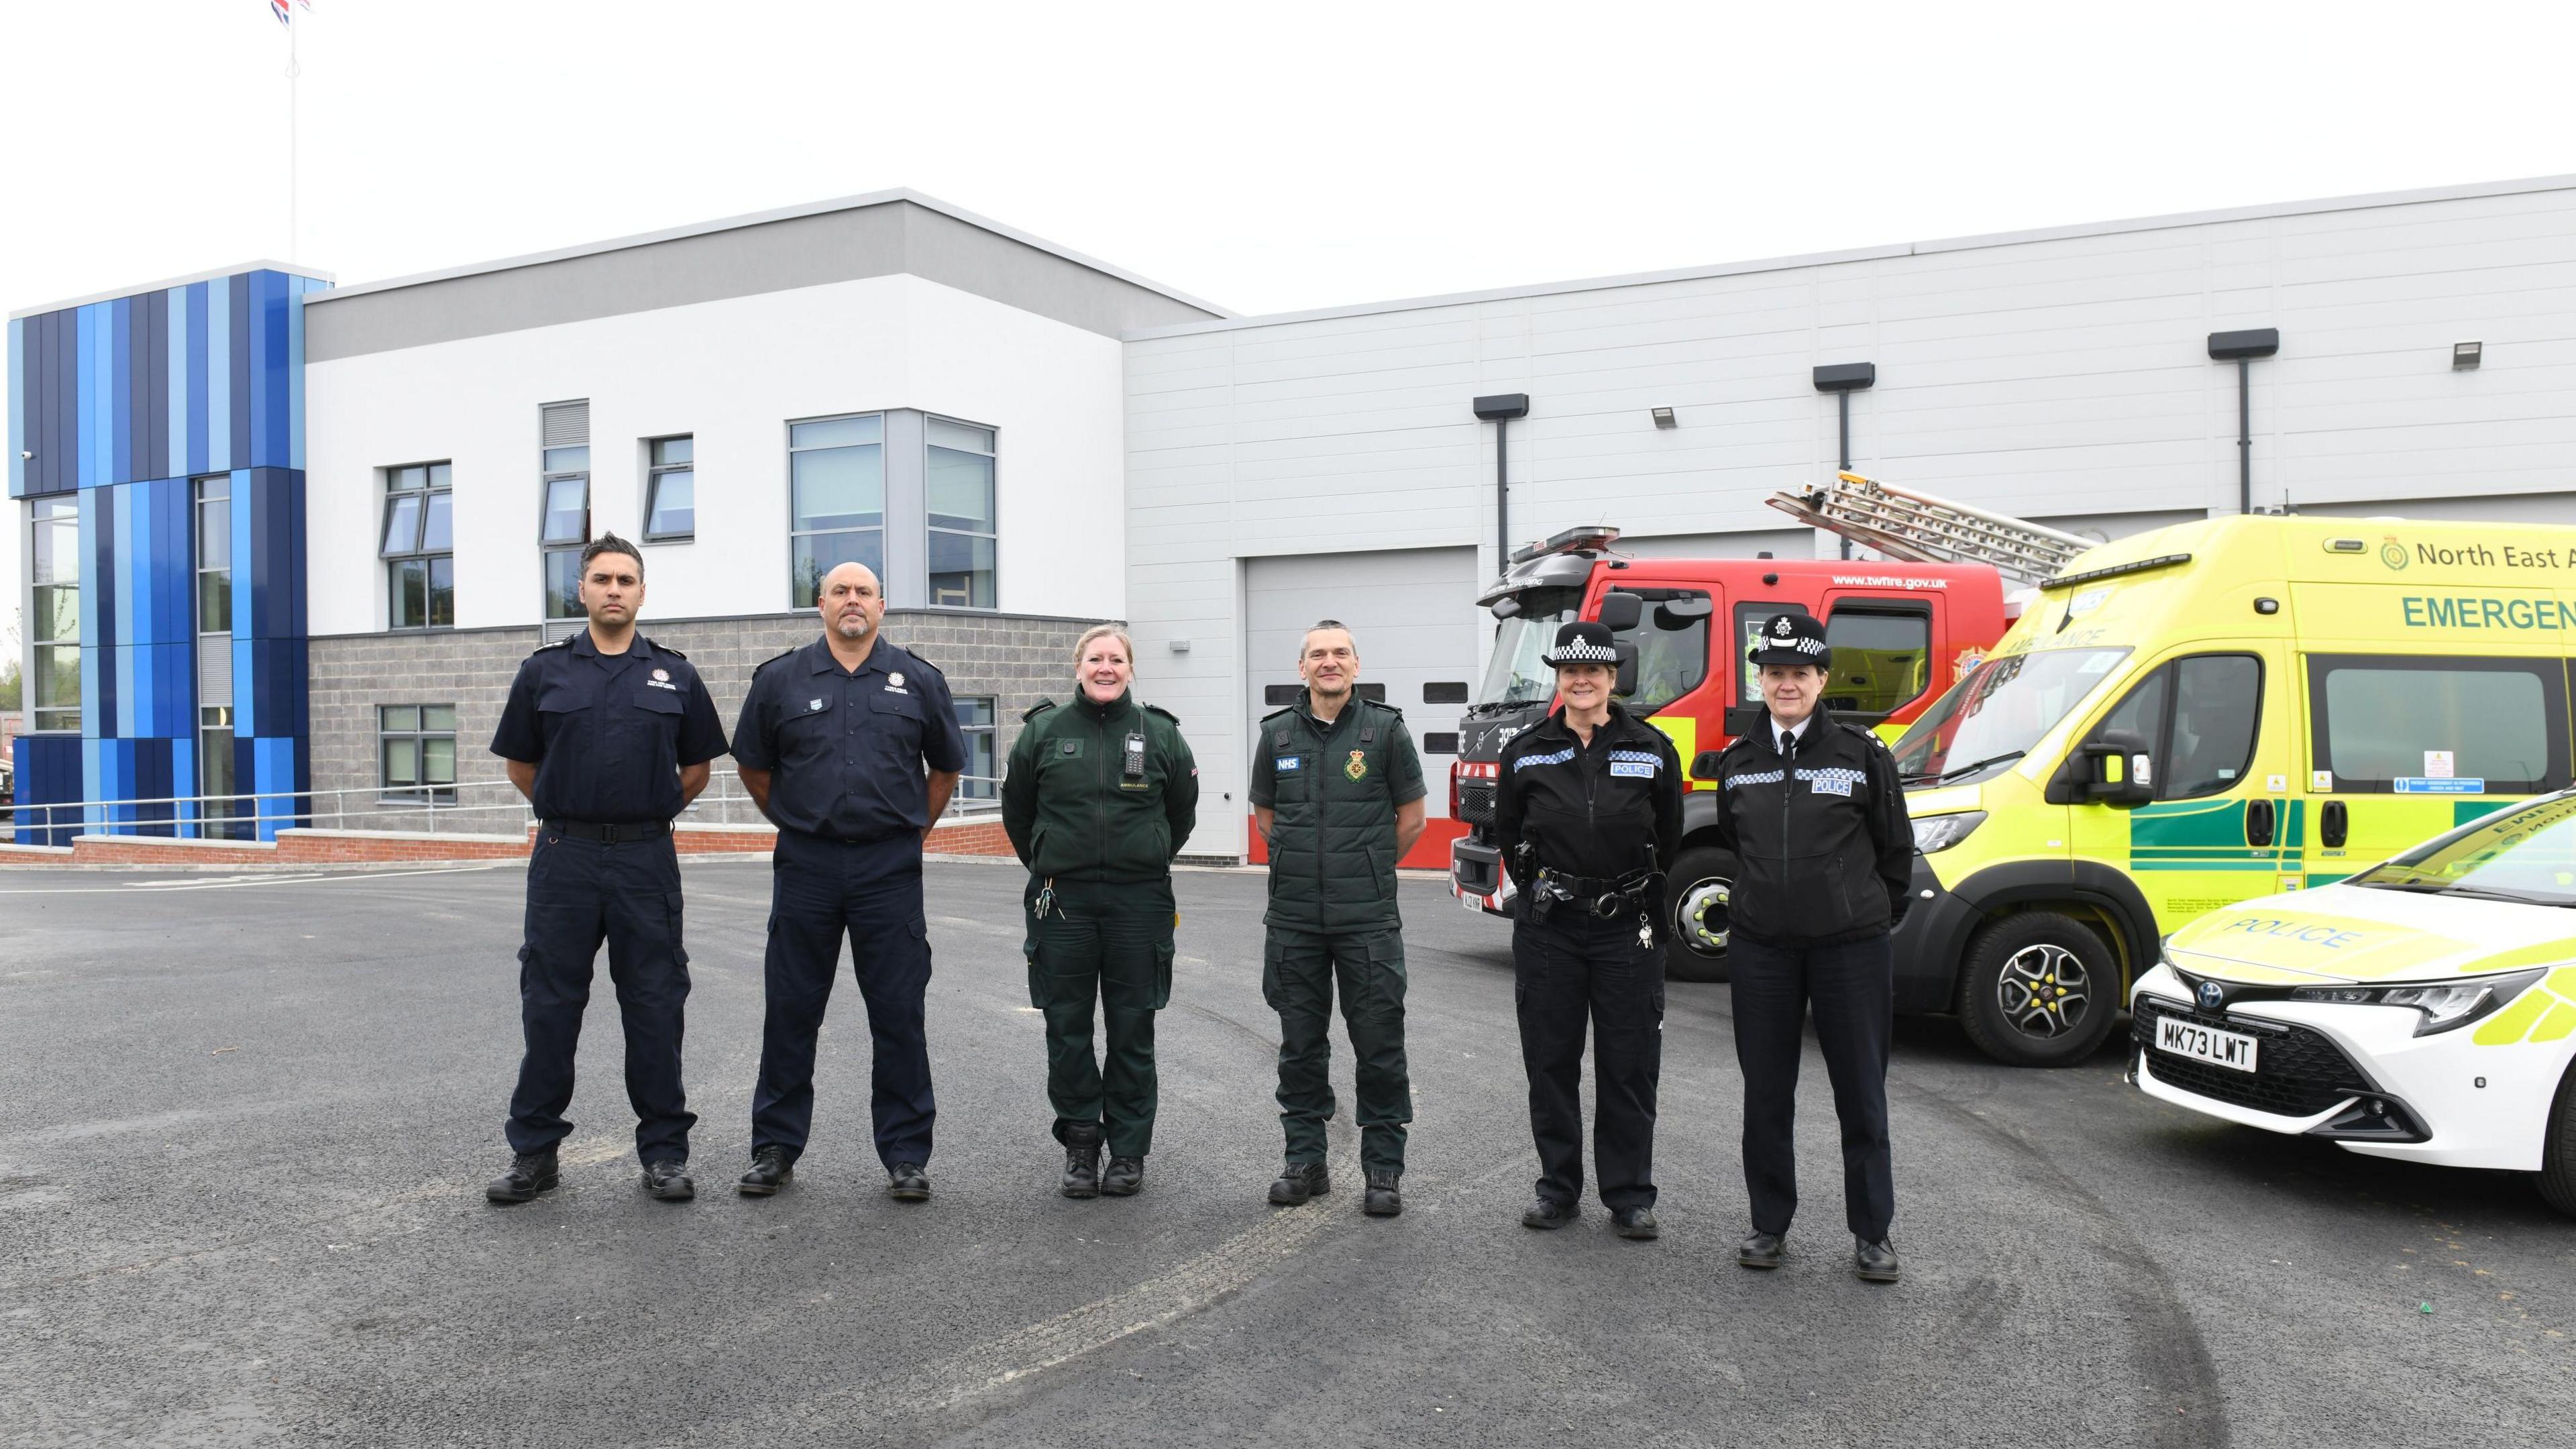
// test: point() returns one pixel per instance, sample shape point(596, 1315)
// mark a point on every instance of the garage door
point(1414, 614)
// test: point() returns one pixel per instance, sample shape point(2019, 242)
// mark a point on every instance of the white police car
point(2423, 1009)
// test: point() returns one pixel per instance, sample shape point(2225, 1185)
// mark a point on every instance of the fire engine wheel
point(1696, 894)
point(2038, 990)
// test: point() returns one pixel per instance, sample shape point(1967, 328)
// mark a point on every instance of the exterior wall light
point(1663, 417)
point(2464, 355)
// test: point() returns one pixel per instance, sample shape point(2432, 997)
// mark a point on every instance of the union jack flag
point(284, 11)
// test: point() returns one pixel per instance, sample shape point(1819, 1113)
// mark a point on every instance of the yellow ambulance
point(2208, 713)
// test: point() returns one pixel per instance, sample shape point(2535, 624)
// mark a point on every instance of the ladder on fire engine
point(1921, 528)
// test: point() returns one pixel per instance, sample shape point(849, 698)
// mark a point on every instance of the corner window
point(416, 753)
point(959, 489)
point(975, 720)
point(419, 548)
point(53, 616)
point(836, 482)
point(2405, 724)
point(1882, 659)
point(215, 554)
point(670, 490)
point(224, 819)
point(563, 516)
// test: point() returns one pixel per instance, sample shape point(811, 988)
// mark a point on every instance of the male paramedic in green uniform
point(1337, 792)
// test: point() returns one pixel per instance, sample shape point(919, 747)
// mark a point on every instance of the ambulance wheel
point(2558, 1149)
point(2038, 990)
point(1696, 892)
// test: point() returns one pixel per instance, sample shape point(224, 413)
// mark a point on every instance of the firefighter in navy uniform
point(1588, 811)
point(1814, 812)
point(608, 735)
point(850, 746)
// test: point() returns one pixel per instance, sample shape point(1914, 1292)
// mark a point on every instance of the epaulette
point(1382, 704)
point(662, 648)
point(1867, 734)
point(563, 643)
point(1276, 713)
point(772, 659)
point(1030, 715)
point(1165, 713)
point(917, 659)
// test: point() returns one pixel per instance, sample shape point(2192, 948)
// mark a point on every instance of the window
point(836, 479)
point(2397, 724)
point(224, 819)
point(1882, 659)
point(959, 486)
point(975, 718)
point(417, 753)
point(1749, 619)
point(1672, 645)
point(215, 555)
point(53, 625)
point(419, 548)
point(670, 490)
point(2200, 718)
point(565, 528)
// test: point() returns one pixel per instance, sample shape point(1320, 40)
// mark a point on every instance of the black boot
point(1300, 1181)
point(1761, 1250)
point(1635, 1222)
point(1382, 1200)
point(669, 1181)
point(1547, 1213)
point(530, 1173)
point(1082, 1159)
point(1874, 1262)
point(770, 1171)
point(1125, 1175)
point(906, 1182)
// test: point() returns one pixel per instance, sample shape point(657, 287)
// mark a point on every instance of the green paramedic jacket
point(1333, 790)
point(1072, 807)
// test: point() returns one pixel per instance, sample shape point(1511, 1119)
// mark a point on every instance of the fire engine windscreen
point(1515, 674)
point(1998, 712)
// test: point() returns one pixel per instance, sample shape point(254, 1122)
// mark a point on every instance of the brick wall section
point(324, 847)
point(1016, 661)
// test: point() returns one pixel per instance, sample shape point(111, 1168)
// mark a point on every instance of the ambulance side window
point(2199, 717)
point(2218, 703)
point(2435, 725)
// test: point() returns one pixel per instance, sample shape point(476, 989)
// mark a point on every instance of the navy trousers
point(581, 893)
point(870, 891)
point(1570, 973)
point(1851, 988)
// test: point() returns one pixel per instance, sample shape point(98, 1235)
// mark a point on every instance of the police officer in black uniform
point(608, 735)
point(1588, 812)
point(1813, 811)
point(851, 747)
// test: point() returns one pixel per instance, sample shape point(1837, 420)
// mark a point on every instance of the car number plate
point(2233, 1050)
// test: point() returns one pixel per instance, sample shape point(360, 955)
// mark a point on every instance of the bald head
point(851, 602)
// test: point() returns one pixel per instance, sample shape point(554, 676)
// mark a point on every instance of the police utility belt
point(610, 834)
point(1592, 895)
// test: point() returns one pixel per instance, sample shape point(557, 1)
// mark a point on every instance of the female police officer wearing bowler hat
point(1813, 811)
point(1099, 797)
point(1589, 809)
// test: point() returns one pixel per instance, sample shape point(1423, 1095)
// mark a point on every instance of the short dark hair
point(1327, 624)
point(611, 543)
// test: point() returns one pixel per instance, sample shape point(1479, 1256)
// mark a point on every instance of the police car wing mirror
point(1704, 765)
point(1626, 684)
point(2118, 770)
point(1621, 611)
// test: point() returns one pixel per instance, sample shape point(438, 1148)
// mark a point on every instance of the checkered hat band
point(1582, 651)
point(1804, 644)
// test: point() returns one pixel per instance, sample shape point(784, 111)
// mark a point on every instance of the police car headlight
point(2444, 1005)
point(1940, 832)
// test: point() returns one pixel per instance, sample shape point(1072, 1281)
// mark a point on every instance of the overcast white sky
point(1264, 158)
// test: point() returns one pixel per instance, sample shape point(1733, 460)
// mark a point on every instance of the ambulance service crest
point(1358, 765)
point(2392, 553)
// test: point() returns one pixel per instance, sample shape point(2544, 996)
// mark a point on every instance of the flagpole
point(294, 160)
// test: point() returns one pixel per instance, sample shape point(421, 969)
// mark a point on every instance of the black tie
point(1788, 745)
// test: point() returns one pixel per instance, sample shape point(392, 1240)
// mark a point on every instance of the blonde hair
point(1099, 632)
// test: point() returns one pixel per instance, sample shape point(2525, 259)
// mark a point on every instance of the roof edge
point(2258, 212)
point(763, 218)
point(261, 264)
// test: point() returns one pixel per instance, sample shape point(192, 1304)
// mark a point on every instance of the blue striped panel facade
point(126, 402)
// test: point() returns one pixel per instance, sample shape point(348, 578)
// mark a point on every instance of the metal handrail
point(410, 802)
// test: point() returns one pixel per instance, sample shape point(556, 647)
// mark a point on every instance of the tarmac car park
point(2423, 1009)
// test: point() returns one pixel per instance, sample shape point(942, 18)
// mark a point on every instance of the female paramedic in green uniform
point(1099, 796)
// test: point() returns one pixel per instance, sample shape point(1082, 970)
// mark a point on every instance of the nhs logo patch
point(1288, 764)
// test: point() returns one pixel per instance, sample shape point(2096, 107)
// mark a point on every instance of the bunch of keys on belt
point(1046, 898)
point(1645, 932)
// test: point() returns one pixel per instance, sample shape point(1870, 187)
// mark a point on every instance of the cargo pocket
point(1386, 977)
point(1162, 977)
point(1270, 954)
